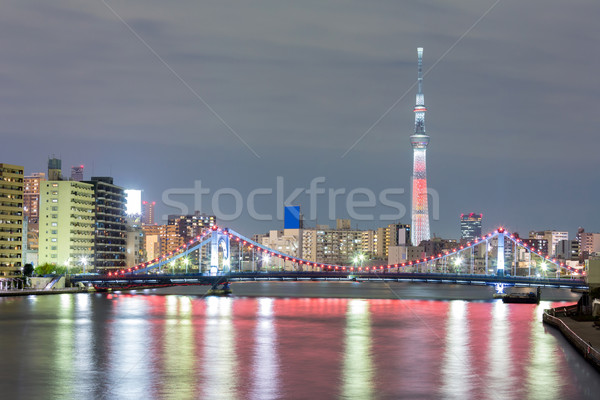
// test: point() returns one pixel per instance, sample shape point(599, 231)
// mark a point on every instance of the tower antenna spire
point(420, 73)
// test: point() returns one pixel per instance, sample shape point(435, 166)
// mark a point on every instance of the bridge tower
point(220, 241)
point(419, 141)
point(500, 255)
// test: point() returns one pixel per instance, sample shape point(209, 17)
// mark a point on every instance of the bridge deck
point(469, 279)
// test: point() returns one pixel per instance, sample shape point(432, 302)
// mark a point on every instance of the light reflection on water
point(358, 371)
point(185, 347)
point(456, 370)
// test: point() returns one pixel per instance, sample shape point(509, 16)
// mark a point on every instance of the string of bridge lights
point(252, 245)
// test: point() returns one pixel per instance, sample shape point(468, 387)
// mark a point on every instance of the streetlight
point(359, 259)
point(83, 260)
point(265, 261)
point(458, 262)
point(544, 267)
point(173, 267)
point(186, 261)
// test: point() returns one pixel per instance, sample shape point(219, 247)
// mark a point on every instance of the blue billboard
point(291, 217)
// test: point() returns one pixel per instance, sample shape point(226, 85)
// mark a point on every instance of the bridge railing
point(588, 351)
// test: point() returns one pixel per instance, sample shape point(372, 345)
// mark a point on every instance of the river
point(290, 340)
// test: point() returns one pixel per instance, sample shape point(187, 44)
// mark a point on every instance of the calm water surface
point(178, 345)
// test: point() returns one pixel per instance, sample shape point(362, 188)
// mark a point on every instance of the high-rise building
point(148, 212)
point(419, 141)
point(67, 223)
point(11, 219)
point(54, 169)
point(111, 227)
point(31, 196)
point(31, 205)
point(77, 173)
point(470, 226)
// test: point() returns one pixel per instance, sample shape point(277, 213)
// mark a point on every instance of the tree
point(47, 269)
point(28, 269)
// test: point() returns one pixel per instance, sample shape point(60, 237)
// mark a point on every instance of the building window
point(55, 200)
point(53, 240)
point(54, 224)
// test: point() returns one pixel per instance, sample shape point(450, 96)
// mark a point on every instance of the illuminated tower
point(419, 141)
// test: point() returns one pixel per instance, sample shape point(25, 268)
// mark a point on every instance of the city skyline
point(503, 99)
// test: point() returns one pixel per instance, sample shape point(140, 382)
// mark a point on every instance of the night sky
point(237, 93)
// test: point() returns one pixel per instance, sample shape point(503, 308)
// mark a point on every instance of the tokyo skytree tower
point(419, 141)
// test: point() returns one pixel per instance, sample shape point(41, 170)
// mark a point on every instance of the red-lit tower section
point(419, 141)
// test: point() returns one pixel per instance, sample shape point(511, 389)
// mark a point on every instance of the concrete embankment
point(39, 292)
point(583, 335)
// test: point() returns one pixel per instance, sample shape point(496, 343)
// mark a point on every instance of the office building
point(148, 212)
point(470, 226)
point(54, 169)
point(77, 173)
point(11, 219)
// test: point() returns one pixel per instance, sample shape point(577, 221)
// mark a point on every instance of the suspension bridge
point(222, 255)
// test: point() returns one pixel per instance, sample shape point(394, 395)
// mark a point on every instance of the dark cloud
point(512, 108)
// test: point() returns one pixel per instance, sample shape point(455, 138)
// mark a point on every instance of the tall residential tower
point(419, 141)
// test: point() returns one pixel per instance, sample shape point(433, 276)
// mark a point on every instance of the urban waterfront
point(289, 340)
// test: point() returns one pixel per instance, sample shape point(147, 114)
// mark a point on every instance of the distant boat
point(523, 298)
point(215, 291)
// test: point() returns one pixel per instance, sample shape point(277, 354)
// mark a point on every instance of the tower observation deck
point(419, 141)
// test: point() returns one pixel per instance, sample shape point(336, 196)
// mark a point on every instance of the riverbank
point(583, 335)
point(39, 292)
